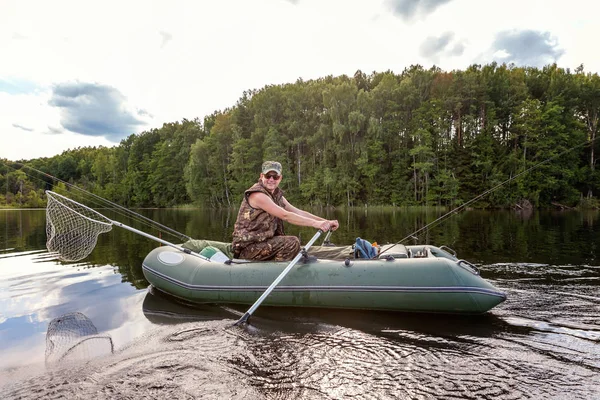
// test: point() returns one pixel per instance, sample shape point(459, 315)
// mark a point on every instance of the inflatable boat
point(401, 278)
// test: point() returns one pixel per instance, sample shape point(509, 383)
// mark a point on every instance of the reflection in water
point(162, 309)
point(305, 353)
point(175, 361)
point(35, 289)
point(73, 337)
point(556, 238)
point(543, 342)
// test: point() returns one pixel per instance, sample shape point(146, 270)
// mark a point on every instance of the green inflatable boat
point(401, 278)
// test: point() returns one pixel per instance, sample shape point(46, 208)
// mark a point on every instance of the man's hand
point(328, 225)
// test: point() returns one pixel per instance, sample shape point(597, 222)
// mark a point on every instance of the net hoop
point(63, 201)
point(72, 229)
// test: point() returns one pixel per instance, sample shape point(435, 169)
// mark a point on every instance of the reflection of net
point(72, 229)
point(73, 337)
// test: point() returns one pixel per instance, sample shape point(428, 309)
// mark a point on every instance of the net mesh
point(73, 337)
point(72, 229)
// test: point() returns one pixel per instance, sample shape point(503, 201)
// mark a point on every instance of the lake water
point(543, 342)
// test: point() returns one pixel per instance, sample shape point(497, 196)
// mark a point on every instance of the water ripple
point(411, 364)
point(183, 362)
point(541, 343)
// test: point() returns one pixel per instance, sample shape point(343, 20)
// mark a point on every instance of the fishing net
point(72, 229)
point(73, 337)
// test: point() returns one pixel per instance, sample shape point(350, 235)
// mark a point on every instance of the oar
point(279, 278)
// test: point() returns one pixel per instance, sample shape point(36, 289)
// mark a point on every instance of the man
point(258, 233)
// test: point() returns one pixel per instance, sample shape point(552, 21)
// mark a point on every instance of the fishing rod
point(73, 229)
point(140, 218)
point(457, 209)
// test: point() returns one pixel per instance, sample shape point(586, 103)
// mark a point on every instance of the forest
point(424, 137)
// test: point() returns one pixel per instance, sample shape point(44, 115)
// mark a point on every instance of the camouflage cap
point(271, 166)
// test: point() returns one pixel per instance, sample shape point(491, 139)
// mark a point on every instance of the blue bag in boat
point(365, 249)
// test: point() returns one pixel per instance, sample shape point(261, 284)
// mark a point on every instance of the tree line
point(424, 137)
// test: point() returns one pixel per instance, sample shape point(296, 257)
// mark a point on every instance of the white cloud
point(95, 110)
point(409, 9)
point(170, 60)
point(30, 128)
point(525, 48)
point(501, 55)
point(166, 38)
point(22, 127)
point(434, 48)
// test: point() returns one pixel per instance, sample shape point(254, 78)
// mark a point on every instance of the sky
point(89, 73)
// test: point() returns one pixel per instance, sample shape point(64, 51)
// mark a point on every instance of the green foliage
point(421, 137)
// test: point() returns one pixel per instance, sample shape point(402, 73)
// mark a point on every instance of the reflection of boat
point(405, 278)
point(161, 308)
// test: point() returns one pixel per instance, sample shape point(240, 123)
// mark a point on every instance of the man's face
point(270, 180)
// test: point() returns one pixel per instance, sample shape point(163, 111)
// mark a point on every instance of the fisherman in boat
point(258, 233)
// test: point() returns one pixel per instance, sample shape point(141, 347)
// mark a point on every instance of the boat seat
point(332, 252)
point(422, 253)
point(394, 250)
point(314, 253)
point(197, 245)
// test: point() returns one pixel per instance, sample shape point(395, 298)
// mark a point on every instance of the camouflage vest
point(254, 225)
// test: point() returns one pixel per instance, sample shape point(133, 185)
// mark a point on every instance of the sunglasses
point(272, 176)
